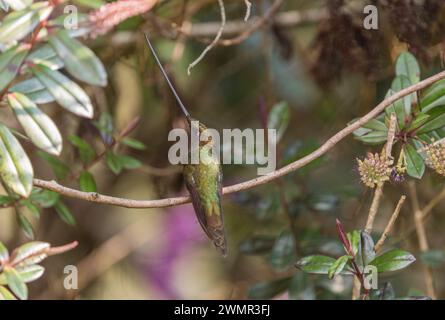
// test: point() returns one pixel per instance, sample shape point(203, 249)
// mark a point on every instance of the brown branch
point(379, 190)
point(257, 24)
point(434, 202)
point(215, 41)
point(387, 149)
point(422, 239)
point(390, 224)
point(329, 144)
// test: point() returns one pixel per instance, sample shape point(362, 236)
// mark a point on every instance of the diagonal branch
point(329, 144)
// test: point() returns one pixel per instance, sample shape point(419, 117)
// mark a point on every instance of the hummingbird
point(204, 179)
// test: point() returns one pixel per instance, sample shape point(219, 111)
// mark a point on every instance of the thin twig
point(434, 202)
point(254, 27)
point(422, 239)
point(377, 196)
point(390, 224)
point(329, 144)
point(379, 189)
point(233, 28)
point(215, 41)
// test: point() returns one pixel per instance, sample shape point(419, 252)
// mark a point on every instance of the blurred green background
point(329, 70)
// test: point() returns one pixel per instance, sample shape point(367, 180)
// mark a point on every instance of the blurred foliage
point(307, 80)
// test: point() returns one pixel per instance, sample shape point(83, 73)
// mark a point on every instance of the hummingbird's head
point(204, 138)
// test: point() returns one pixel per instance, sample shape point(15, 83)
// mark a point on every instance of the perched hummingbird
point(203, 180)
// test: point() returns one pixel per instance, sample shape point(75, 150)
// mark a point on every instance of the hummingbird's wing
point(211, 222)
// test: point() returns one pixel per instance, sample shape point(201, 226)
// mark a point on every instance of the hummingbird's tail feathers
point(217, 235)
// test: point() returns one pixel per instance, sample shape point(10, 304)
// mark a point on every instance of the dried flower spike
point(374, 169)
point(435, 157)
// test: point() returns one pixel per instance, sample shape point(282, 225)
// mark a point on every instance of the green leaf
point(34, 90)
point(65, 213)
point(15, 168)
point(10, 62)
point(66, 92)
point(35, 210)
point(435, 121)
point(372, 137)
point(38, 126)
point(393, 260)
point(5, 294)
point(420, 119)
point(338, 266)
point(128, 162)
point(283, 251)
point(30, 273)
point(433, 258)
point(24, 224)
point(408, 66)
point(415, 165)
point(6, 200)
point(26, 253)
point(433, 97)
point(4, 254)
point(15, 283)
point(87, 182)
point(366, 250)
point(86, 152)
point(401, 107)
point(134, 144)
point(279, 118)
point(315, 264)
point(269, 289)
point(46, 55)
point(45, 198)
point(376, 125)
point(79, 60)
point(113, 162)
point(354, 240)
point(59, 168)
point(106, 127)
point(257, 245)
point(5, 7)
point(19, 24)
point(18, 4)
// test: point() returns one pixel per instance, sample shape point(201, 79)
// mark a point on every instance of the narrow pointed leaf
point(38, 126)
point(19, 24)
point(30, 273)
point(25, 225)
point(279, 118)
point(87, 182)
point(415, 166)
point(66, 92)
point(408, 66)
point(64, 213)
point(79, 60)
point(15, 168)
point(283, 252)
point(34, 90)
point(4, 254)
point(18, 4)
point(15, 283)
point(10, 62)
point(5, 294)
point(22, 254)
point(315, 264)
point(393, 260)
point(338, 266)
